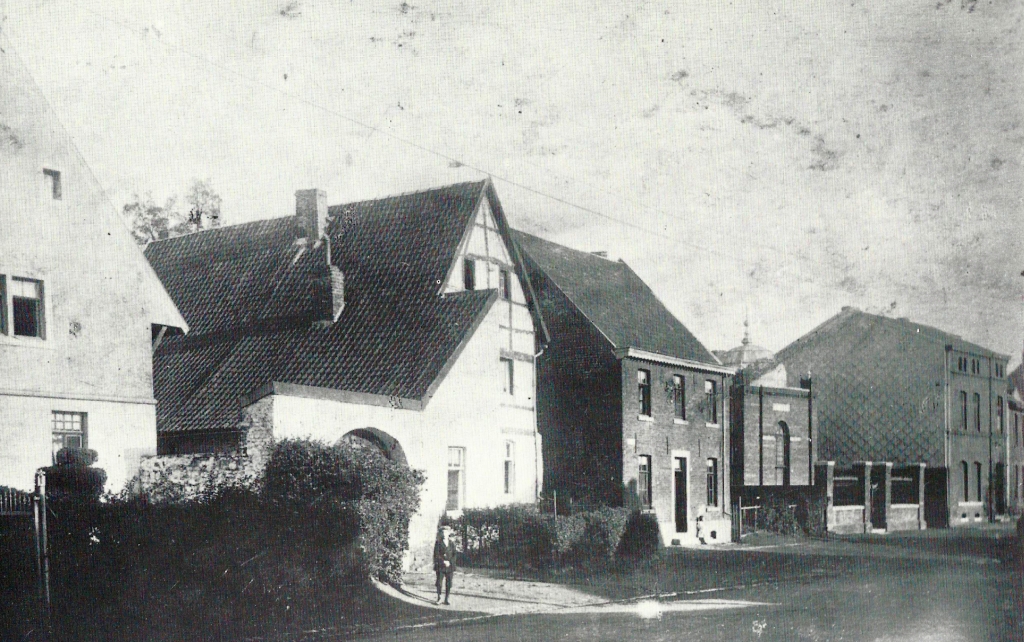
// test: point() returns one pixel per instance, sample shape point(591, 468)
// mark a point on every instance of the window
point(27, 307)
point(1016, 429)
point(508, 372)
point(643, 485)
point(977, 411)
point(712, 481)
point(679, 396)
point(977, 477)
point(963, 410)
point(999, 414)
point(643, 381)
point(504, 284)
point(68, 430)
point(510, 467)
point(711, 392)
point(456, 477)
point(966, 479)
point(469, 274)
point(54, 178)
point(3, 304)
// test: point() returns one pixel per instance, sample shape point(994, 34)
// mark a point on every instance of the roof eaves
point(517, 258)
point(466, 232)
point(278, 388)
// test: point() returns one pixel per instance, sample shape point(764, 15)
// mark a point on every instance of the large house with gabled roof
point(904, 393)
point(407, 323)
point(79, 304)
point(632, 406)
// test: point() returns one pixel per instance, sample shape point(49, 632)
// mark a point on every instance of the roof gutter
point(700, 366)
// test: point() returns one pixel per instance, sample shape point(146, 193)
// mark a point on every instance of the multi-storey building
point(632, 407)
point(891, 390)
point(79, 305)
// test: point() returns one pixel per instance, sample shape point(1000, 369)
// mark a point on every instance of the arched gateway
point(374, 438)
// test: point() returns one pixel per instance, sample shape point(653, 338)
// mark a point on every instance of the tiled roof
point(615, 300)
point(249, 294)
point(878, 386)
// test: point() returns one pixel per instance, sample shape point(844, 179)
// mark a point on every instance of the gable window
point(53, 176)
point(711, 393)
point(26, 307)
point(504, 284)
point(966, 480)
point(456, 477)
point(712, 481)
point(508, 372)
point(469, 274)
point(977, 478)
point(510, 467)
point(963, 410)
point(643, 485)
point(68, 430)
point(977, 411)
point(643, 384)
point(679, 396)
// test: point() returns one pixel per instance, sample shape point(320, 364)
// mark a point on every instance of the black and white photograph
point(448, 320)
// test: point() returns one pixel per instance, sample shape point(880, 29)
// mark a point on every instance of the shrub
point(334, 494)
point(641, 538)
point(520, 536)
point(71, 476)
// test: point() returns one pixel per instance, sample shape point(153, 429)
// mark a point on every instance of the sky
point(762, 160)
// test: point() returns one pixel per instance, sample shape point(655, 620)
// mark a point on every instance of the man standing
point(444, 561)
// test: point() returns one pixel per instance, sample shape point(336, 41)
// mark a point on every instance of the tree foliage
point(150, 221)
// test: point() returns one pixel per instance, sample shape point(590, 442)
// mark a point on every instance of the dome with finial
point(746, 353)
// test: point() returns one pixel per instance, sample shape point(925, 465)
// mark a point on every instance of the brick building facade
point(632, 407)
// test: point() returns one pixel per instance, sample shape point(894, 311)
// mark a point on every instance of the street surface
point(937, 586)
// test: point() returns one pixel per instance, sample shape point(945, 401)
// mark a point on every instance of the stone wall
point(184, 477)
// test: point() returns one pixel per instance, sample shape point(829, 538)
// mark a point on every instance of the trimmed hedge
point(520, 536)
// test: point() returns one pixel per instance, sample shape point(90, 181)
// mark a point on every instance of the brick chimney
point(311, 210)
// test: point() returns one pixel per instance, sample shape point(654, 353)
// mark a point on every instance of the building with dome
point(772, 424)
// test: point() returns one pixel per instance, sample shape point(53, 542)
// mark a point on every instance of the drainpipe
point(723, 465)
point(991, 490)
point(537, 464)
point(810, 430)
point(947, 402)
point(760, 435)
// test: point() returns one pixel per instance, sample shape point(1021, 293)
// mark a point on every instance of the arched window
point(782, 454)
point(977, 475)
point(966, 480)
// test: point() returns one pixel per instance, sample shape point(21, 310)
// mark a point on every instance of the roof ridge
point(210, 231)
point(387, 197)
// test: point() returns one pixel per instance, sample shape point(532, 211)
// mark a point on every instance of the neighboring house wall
point(470, 411)
point(758, 440)
point(663, 443)
point(1015, 456)
point(975, 440)
point(579, 407)
point(98, 299)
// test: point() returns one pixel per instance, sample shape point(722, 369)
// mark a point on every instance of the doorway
point(681, 500)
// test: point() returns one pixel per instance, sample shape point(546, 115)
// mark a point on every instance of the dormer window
point(469, 274)
point(53, 176)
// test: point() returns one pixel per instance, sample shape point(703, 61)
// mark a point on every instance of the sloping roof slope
point(878, 385)
point(250, 295)
point(615, 300)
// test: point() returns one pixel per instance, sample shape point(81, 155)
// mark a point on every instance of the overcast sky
point(770, 160)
